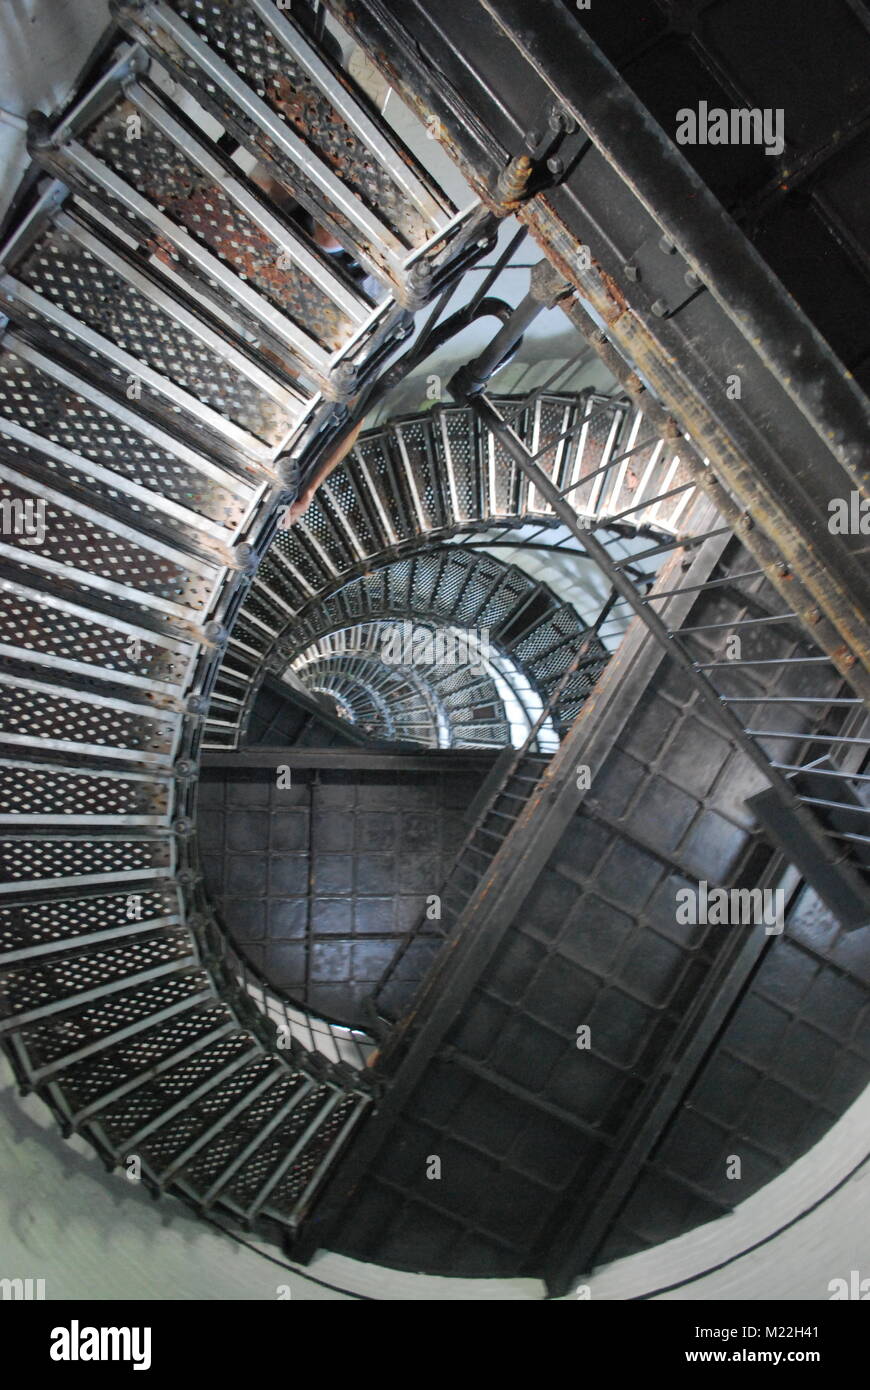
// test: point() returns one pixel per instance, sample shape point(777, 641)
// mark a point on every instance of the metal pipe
point(472, 378)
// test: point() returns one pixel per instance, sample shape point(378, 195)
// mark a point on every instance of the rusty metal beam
point(536, 105)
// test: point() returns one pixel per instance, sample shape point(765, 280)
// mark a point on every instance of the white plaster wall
point(44, 44)
point(94, 1235)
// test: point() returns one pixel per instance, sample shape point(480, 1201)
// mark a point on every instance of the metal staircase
point(514, 783)
point(179, 357)
point(465, 596)
point(436, 476)
point(175, 342)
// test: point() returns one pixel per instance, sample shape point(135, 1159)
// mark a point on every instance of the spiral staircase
point(180, 359)
point(370, 508)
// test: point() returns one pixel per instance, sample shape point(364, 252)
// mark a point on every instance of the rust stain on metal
point(842, 654)
point(513, 182)
point(613, 292)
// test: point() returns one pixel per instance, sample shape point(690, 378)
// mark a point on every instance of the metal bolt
point(39, 132)
point(561, 120)
point(556, 166)
point(666, 245)
point(513, 179)
point(344, 374)
point(659, 308)
point(691, 279)
point(631, 272)
point(287, 469)
point(533, 140)
point(245, 556)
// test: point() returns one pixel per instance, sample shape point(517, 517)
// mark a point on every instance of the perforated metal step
point(173, 327)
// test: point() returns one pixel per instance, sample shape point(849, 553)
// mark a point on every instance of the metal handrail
point(519, 755)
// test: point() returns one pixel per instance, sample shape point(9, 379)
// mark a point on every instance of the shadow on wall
point(90, 1234)
point(41, 56)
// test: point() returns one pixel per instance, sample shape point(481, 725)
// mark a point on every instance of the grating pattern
point(212, 1160)
point(288, 1192)
point(67, 537)
point(414, 447)
point(33, 986)
point(47, 1043)
point(97, 1078)
point(38, 714)
point(57, 792)
point(30, 398)
point(24, 861)
point(158, 169)
point(457, 446)
point(254, 53)
point(435, 473)
point(73, 278)
point(215, 1123)
point(42, 923)
point(172, 1139)
point(312, 570)
point(458, 589)
point(251, 1176)
point(32, 624)
point(107, 1010)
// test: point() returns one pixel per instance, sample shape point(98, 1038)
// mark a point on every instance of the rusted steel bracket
point(551, 148)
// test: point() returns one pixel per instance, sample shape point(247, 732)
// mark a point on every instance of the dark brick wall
point(522, 1120)
point(793, 1057)
point(317, 883)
